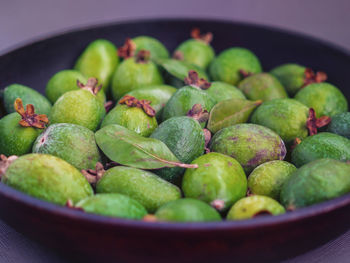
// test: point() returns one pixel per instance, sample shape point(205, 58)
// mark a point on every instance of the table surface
point(22, 20)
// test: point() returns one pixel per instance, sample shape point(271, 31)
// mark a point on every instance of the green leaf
point(230, 112)
point(128, 148)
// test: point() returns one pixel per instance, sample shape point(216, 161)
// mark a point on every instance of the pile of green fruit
point(134, 133)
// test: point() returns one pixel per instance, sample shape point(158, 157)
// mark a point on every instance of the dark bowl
point(110, 239)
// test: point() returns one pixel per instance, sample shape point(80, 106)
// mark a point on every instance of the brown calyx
point(70, 204)
point(245, 74)
point(194, 80)
point(108, 105)
point(93, 176)
point(314, 123)
point(206, 38)
point(29, 118)
point(263, 213)
point(142, 104)
point(218, 204)
point(311, 77)
point(178, 55)
point(198, 113)
point(295, 143)
point(128, 49)
point(91, 85)
point(207, 137)
point(143, 56)
point(5, 163)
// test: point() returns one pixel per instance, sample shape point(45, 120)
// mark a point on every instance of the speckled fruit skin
point(73, 143)
point(157, 49)
point(99, 60)
point(79, 107)
point(131, 75)
point(340, 124)
point(184, 99)
point(268, 178)
point(251, 206)
point(143, 186)
point(324, 98)
point(250, 144)
point(226, 66)
point(218, 177)
point(14, 138)
point(133, 118)
point(316, 182)
point(47, 177)
point(28, 96)
point(220, 91)
point(114, 205)
point(321, 145)
point(185, 139)
point(287, 117)
point(291, 76)
point(187, 210)
point(196, 52)
point(262, 86)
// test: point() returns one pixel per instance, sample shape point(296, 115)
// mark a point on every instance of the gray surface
point(21, 21)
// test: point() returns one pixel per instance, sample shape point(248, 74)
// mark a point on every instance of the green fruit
point(262, 86)
point(340, 124)
point(114, 205)
point(28, 96)
point(196, 52)
point(287, 117)
point(250, 144)
point(187, 210)
point(324, 98)
point(99, 60)
point(268, 178)
point(227, 65)
point(315, 182)
point(48, 178)
point(73, 143)
point(143, 186)
point(133, 118)
point(253, 206)
point(131, 75)
point(157, 49)
point(219, 180)
point(185, 138)
point(220, 91)
point(184, 99)
point(14, 138)
point(292, 77)
point(79, 107)
point(322, 145)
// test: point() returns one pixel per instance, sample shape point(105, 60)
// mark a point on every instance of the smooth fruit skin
point(217, 178)
point(47, 177)
point(262, 86)
point(28, 96)
point(131, 75)
point(268, 178)
point(133, 118)
point(73, 143)
point(321, 145)
point(220, 91)
point(340, 124)
point(250, 144)
point(114, 205)
point(252, 206)
point(143, 186)
point(14, 138)
point(196, 52)
point(79, 107)
point(316, 182)
point(226, 66)
point(157, 49)
point(99, 60)
point(291, 76)
point(187, 210)
point(324, 98)
point(287, 117)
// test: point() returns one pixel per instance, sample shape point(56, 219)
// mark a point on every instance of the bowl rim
point(250, 224)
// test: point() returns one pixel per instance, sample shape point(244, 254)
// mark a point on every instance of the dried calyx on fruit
point(93, 176)
point(311, 77)
point(143, 104)
point(178, 55)
point(91, 85)
point(198, 113)
point(128, 49)
point(206, 38)
point(245, 74)
point(143, 56)
point(314, 123)
point(193, 80)
point(29, 118)
point(5, 163)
